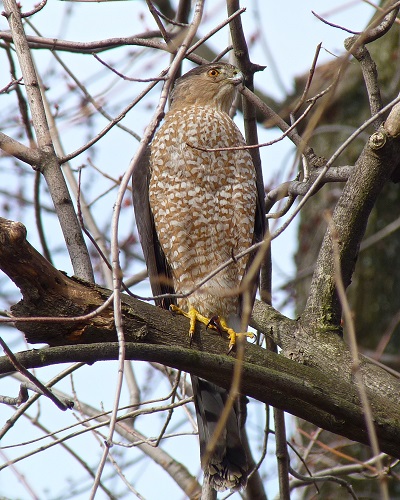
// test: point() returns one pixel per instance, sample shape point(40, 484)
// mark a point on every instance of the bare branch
point(37, 8)
point(31, 386)
point(14, 148)
point(277, 121)
point(36, 383)
point(38, 42)
point(334, 25)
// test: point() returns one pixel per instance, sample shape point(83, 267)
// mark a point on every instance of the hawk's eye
point(213, 72)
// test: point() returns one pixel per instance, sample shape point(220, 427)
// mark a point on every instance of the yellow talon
point(193, 316)
point(232, 334)
point(216, 323)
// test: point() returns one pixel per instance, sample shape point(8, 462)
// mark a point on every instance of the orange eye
point(213, 72)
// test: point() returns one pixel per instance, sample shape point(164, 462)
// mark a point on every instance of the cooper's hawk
point(203, 206)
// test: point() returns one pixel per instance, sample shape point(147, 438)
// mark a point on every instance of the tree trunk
point(376, 283)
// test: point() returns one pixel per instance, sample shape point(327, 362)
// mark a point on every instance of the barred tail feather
point(226, 468)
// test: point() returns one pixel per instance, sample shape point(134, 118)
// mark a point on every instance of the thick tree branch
point(373, 169)
point(310, 392)
point(270, 378)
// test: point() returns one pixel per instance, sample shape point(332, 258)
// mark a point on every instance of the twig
point(219, 56)
point(266, 433)
point(226, 21)
point(380, 235)
point(22, 104)
point(309, 80)
point(20, 477)
point(71, 452)
point(336, 154)
point(170, 411)
point(335, 25)
point(169, 20)
point(369, 465)
point(40, 388)
point(342, 470)
point(13, 82)
point(386, 337)
point(102, 422)
point(279, 122)
point(99, 414)
point(59, 319)
point(286, 133)
point(39, 42)
point(307, 480)
point(98, 108)
point(22, 409)
point(311, 442)
point(36, 9)
point(123, 478)
point(23, 395)
point(124, 77)
point(154, 12)
point(378, 8)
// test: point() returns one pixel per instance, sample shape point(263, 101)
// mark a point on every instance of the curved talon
point(193, 315)
point(174, 309)
point(215, 322)
point(232, 334)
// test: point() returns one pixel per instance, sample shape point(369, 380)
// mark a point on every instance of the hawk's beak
point(237, 79)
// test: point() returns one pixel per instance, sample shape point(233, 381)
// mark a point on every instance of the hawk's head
point(212, 84)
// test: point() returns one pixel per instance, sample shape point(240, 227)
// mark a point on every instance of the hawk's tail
point(226, 467)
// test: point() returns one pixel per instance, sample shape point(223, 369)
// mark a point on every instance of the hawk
point(203, 209)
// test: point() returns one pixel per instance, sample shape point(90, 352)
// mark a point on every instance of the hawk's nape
point(195, 210)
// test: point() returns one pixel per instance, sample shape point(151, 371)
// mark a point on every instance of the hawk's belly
point(203, 204)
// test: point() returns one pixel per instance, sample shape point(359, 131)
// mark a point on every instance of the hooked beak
point(237, 79)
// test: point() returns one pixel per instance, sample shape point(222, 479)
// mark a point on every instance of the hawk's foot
point(193, 316)
point(221, 325)
point(216, 322)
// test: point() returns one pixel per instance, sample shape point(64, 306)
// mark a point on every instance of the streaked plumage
point(203, 203)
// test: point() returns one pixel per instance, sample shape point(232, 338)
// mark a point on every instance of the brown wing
point(262, 279)
point(157, 266)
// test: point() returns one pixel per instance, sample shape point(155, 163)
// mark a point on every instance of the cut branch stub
point(47, 292)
